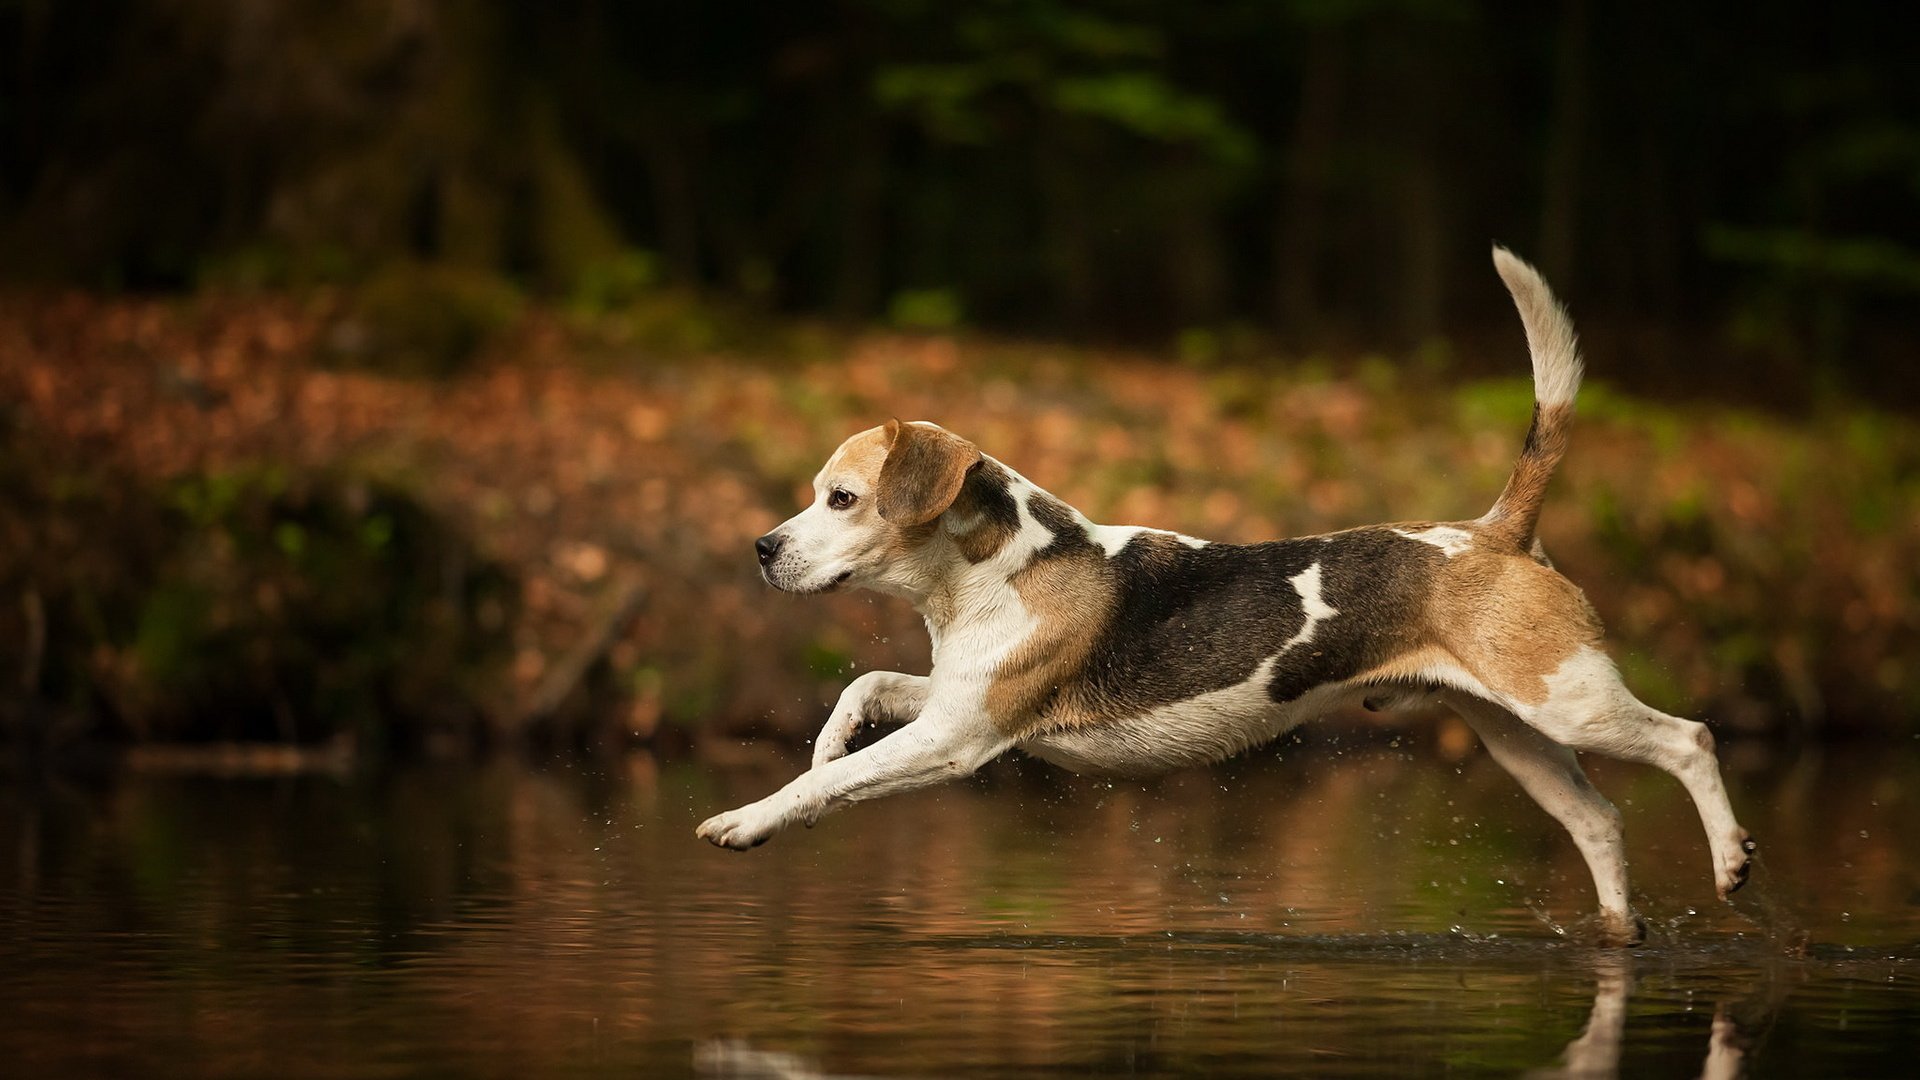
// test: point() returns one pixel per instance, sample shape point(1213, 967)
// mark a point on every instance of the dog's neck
point(962, 574)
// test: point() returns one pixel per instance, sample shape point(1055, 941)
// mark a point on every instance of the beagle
point(1119, 649)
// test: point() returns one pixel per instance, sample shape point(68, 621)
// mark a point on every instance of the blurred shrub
point(925, 309)
point(254, 605)
point(608, 285)
point(422, 319)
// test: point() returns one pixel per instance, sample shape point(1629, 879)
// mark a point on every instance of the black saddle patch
point(1190, 620)
point(1376, 581)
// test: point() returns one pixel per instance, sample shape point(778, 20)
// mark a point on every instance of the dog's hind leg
point(1591, 709)
point(1552, 775)
point(875, 697)
point(939, 746)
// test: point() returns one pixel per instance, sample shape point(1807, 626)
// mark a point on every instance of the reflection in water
point(1324, 914)
point(1724, 1056)
point(736, 1060)
point(1597, 1051)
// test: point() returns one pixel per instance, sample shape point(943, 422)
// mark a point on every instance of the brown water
point(1320, 912)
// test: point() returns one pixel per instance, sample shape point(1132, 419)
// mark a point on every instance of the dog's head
point(874, 505)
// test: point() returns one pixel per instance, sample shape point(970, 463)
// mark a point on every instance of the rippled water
point(1316, 912)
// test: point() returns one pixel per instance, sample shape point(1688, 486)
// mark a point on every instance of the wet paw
point(1737, 865)
point(737, 829)
point(1622, 931)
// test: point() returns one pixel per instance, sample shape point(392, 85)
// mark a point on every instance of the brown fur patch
point(859, 458)
point(1515, 514)
point(1410, 667)
point(1071, 599)
point(1508, 620)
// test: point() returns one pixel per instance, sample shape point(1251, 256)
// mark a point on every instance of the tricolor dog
point(1119, 649)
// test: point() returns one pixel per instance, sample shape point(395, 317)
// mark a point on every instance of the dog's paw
point(1735, 864)
point(740, 829)
point(1622, 931)
point(832, 741)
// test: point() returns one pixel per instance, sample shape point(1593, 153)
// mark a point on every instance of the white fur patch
point(1307, 584)
point(957, 524)
point(1584, 698)
point(1448, 539)
point(1112, 538)
point(1550, 339)
point(1032, 536)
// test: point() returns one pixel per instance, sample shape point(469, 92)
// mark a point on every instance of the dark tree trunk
point(1297, 232)
point(1566, 137)
point(1068, 230)
point(675, 210)
point(856, 293)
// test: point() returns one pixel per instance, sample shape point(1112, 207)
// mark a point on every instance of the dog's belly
point(1194, 731)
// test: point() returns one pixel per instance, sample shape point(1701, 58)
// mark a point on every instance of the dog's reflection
point(1596, 1052)
point(737, 1059)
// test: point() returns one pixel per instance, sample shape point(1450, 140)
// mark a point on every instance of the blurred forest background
point(416, 373)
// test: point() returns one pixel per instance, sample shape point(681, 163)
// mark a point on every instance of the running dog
point(1119, 649)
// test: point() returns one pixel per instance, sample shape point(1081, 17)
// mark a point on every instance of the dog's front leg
point(941, 745)
point(878, 697)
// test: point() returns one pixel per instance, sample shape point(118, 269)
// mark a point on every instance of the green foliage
point(328, 601)
point(925, 309)
point(1313, 166)
point(1073, 64)
point(1148, 106)
point(1866, 262)
point(253, 604)
point(422, 319)
point(612, 284)
point(1505, 404)
point(827, 658)
point(275, 265)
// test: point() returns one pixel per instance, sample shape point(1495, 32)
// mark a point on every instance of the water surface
point(1312, 911)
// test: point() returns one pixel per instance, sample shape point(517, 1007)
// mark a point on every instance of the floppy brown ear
point(922, 475)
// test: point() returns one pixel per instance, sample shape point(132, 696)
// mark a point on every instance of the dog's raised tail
point(1556, 378)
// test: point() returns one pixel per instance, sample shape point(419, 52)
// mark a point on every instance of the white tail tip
point(1550, 337)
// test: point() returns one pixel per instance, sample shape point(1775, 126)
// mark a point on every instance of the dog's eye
point(841, 498)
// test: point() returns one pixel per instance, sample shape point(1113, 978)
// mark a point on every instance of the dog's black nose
point(768, 547)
